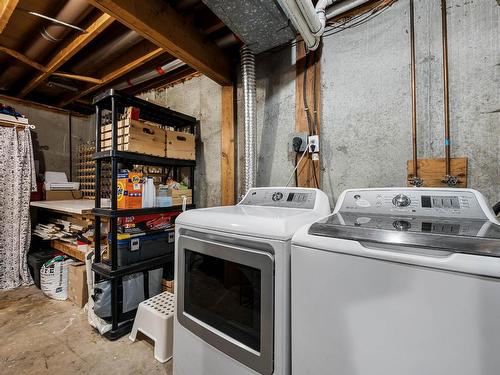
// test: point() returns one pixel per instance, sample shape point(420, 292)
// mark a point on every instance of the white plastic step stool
point(155, 318)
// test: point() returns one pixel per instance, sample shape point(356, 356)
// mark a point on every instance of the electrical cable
point(297, 164)
point(315, 105)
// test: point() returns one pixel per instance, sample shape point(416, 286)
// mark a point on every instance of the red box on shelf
point(147, 223)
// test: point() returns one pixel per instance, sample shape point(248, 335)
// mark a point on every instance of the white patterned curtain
point(17, 181)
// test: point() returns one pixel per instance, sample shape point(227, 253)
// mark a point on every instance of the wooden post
point(309, 171)
point(228, 144)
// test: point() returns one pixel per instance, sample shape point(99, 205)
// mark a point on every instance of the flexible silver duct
point(250, 122)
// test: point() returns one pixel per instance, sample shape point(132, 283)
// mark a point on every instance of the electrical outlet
point(303, 138)
point(313, 143)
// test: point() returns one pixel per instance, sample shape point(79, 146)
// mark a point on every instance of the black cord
point(296, 174)
point(315, 104)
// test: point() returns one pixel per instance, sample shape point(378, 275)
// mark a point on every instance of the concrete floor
point(43, 336)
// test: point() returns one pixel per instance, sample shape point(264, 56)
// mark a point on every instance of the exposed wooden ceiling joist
point(108, 78)
point(23, 58)
point(92, 31)
point(7, 8)
point(161, 24)
point(77, 77)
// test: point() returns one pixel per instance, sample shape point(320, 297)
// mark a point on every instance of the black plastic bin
point(143, 247)
point(36, 259)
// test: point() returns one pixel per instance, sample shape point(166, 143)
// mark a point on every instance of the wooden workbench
point(74, 207)
point(70, 207)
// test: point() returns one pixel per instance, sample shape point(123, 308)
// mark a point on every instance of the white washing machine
point(398, 282)
point(233, 282)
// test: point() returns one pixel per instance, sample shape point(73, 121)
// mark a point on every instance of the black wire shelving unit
point(116, 102)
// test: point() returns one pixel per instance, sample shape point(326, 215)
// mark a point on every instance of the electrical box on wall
point(297, 142)
point(313, 143)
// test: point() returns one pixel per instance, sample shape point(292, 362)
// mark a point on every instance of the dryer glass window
point(225, 295)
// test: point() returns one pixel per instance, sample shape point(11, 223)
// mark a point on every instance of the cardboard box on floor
point(77, 284)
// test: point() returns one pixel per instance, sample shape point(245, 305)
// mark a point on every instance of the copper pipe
point(444, 28)
point(413, 94)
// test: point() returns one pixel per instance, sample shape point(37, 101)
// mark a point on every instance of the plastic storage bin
point(132, 292)
point(137, 248)
point(36, 259)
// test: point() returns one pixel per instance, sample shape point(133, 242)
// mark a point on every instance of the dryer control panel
point(452, 203)
point(281, 197)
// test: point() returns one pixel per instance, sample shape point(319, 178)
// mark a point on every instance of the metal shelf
point(116, 102)
point(123, 328)
point(107, 212)
point(148, 111)
point(142, 159)
point(105, 270)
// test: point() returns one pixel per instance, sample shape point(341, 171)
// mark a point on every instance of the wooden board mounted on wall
point(431, 171)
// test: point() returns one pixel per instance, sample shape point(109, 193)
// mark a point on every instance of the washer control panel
point(413, 202)
point(281, 197)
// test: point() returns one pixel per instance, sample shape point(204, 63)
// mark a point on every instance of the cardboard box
point(147, 223)
point(62, 195)
point(129, 190)
point(168, 286)
point(77, 284)
point(177, 196)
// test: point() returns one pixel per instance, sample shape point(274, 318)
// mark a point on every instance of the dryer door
point(225, 297)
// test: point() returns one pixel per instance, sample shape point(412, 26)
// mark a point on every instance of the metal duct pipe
point(117, 46)
point(73, 12)
point(250, 122)
point(343, 6)
point(150, 74)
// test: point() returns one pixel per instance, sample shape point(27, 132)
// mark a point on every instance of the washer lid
point(480, 237)
point(257, 221)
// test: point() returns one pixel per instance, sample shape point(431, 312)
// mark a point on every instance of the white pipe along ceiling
point(310, 21)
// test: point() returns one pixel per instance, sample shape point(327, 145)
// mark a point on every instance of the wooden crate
point(144, 138)
point(180, 145)
point(433, 170)
point(136, 136)
point(177, 196)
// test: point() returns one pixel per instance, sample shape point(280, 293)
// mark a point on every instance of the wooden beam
point(366, 7)
point(23, 58)
point(75, 45)
point(160, 23)
point(8, 7)
point(78, 77)
point(108, 78)
point(36, 105)
point(308, 171)
point(228, 136)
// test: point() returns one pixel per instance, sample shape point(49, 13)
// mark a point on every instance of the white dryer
point(233, 282)
point(398, 281)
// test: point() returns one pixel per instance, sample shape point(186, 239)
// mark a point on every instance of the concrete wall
point(51, 136)
point(365, 90)
point(201, 98)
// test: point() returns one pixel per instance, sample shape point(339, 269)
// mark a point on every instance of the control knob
point(277, 196)
point(401, 200)
point(401, 225)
